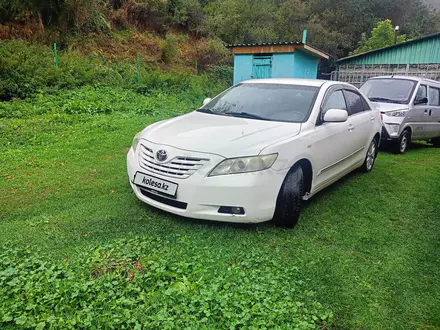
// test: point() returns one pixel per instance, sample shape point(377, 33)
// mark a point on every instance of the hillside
point(194, 24)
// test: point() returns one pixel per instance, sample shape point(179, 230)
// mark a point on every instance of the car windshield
point(275, 102)
point(389, 90)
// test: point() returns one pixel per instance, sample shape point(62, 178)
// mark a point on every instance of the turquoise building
point(275, 60)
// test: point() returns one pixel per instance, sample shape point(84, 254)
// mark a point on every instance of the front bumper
point(200, 196)
point(391, 128)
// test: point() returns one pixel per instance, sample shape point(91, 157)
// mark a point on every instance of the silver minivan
point(410, 108)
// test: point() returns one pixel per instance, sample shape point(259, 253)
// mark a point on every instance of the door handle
point(373, 118)
point(426, 112)
point(351, 128)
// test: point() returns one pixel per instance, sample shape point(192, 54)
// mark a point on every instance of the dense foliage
point(143, 283)
point(335, 26)
point(28, 69)
point(382, 35)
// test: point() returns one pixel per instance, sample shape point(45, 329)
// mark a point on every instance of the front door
point(419, 115)
point(332, 143)
point(262, 67)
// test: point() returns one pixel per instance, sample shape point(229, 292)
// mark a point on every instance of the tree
point(381, 36)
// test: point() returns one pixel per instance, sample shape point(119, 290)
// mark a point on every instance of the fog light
point(393, 129)
point(231, 210)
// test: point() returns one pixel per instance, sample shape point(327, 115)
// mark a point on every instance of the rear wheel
point(403, 142)
point(370, 158)
point(289, 199)
point(436, 142)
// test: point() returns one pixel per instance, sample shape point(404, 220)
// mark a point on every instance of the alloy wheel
point(403, 143)
point(371, 155)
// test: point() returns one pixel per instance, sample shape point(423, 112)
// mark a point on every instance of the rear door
point(433, 124)
point(361, 120)
point(262, 66)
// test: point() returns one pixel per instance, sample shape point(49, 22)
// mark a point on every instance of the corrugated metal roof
point(266, 44)
point(424, 50)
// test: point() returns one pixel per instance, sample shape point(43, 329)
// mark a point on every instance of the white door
point(331, 143)
point(360, 120)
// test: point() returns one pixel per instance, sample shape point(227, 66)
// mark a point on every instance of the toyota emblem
point(161, 155)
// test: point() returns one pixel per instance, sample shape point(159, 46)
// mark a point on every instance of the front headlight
point(398, 113)
point(244, 165)
point(135, 143)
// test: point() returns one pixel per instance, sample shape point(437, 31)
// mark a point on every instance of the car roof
point(292, 81)
point(413, 78)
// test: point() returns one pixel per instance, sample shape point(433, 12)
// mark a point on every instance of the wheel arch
point(377, 138)
point(409, 129)
point(307, 168)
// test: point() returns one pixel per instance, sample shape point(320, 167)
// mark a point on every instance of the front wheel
point(289, 199)
point(370, 158)
point(403, 142)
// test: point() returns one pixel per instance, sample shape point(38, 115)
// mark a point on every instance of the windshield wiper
point(383, 99)
point(245, 115)
point(205, 110)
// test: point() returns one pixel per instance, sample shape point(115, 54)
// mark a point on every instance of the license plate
point(156, 184)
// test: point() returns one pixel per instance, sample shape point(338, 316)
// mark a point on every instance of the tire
point(436, 142)
point(370, 157)
point(403, 142)
point(289, 199)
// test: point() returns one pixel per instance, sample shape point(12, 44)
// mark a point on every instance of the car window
point(354, 102)
point(434, 96)
point(335, 101)
point(276, 102)
point(422, 92)
point(389, 90)
point(365, 104)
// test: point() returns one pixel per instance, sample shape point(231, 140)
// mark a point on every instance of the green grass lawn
point(365, 254)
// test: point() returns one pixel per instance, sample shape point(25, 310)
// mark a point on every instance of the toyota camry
point(256, 151)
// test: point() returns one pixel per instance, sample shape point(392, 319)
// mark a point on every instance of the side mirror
point(206, 101)
point(421, 100)
point(336, 116)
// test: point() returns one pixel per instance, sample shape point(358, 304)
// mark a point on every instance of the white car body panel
point(222, 135)
point(333, 150)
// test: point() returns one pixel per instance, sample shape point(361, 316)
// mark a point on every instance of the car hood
point(387, 107)
point(222, 135)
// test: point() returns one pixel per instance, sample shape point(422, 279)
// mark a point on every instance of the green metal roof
point(424, 50)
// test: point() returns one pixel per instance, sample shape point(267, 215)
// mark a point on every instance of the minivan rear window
point(389, 90)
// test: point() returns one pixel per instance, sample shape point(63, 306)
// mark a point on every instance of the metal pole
point(55, 52)
point(197, 68)
point(304, 40)
point(138, 57)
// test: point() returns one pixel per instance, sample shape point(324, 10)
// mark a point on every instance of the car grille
point(179, 167)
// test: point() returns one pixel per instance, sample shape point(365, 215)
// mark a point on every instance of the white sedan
point(256, 151)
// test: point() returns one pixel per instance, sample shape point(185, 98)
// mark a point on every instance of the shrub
point(170, 50)
point(28, 69)
point(214, 52)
